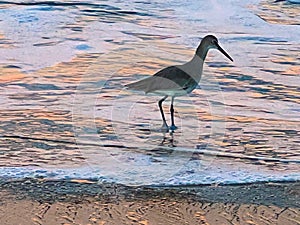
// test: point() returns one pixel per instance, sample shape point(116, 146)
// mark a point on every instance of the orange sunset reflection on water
point(249, 107)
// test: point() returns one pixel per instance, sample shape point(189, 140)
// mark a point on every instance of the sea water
point(65, 113)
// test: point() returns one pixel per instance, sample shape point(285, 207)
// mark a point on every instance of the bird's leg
point(165, 125)
point(173, 127)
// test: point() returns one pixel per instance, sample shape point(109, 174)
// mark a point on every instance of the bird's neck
point(201, 51)
point(197, 62)
point(194, 67)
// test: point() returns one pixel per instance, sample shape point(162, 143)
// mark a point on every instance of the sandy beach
point(86, 202)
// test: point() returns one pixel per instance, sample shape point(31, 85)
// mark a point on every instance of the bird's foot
point(173, 127)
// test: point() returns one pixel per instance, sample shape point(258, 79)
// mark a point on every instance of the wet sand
point(86, 202)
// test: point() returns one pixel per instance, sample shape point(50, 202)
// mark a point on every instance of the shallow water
point(65, 112)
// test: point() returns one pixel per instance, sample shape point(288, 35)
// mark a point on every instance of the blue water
point(66, 115)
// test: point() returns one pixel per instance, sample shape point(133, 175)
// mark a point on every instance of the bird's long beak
point(225, 53)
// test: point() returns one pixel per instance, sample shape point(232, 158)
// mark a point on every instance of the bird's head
point(211, 42)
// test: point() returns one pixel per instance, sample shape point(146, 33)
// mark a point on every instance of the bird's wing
point(170, 78)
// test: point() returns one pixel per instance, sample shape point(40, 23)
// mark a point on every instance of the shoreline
point(87, 202)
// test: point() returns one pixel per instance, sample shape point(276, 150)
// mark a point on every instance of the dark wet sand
point(85, 202)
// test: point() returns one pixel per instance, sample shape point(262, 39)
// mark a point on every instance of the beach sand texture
point(51, 203)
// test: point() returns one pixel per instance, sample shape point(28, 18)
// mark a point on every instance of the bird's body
point(162, 83)
point(178, 80)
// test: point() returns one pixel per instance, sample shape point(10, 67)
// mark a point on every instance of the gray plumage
point(163, 81)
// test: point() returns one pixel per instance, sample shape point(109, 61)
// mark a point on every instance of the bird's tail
point(138, 86)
